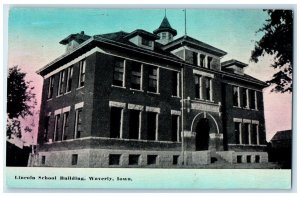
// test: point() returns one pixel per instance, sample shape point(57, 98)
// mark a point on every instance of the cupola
point(165, 32)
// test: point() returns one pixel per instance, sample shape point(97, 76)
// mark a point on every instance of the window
point(82, 65)
point(74, 159)
point(46, 128)
point(252, 99)
point(65, 125)
point(195, 58)
point(203, 88)
point(146, 42)
point(134, 159)
point(175, 83)
point(202, 60)
point(69, 79)
point(236, 96)
point(56, 128)
point(50, 87)
point(151, 159)
point(136, 77)
point(257, 158)
point(209, 60)
point(175, 159)
point(118, 79)
point(114, 159)
point(152, 123)
point(43, 159)
point(116, 122)
point(248, 158)
point(61, 83)
point(237, 132)
point(198, 88)
point(207, 82)
point(153, 79)
point(245, 98)
point(78, 123)
point(254, 134)
point(246, 133)
point(163, 35)
point(175, 128)
point(134, 124)
point(239, 159)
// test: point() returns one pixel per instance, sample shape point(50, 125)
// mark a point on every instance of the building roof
point(233, 62)
point(189, 41)
point(165, 27)
point(123, 38)
point(143, 33)
point(79, 37)
point(282, 135)
point(116, 39)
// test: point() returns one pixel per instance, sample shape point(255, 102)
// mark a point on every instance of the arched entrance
point(207, 132)
point(202, 134)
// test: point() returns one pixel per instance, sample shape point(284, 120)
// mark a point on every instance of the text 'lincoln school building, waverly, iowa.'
point(146, 99)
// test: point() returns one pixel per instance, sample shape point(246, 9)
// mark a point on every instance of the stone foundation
point(244, 157)
point(98, 158)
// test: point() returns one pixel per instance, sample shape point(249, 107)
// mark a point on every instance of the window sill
point(115, 86)
point(60, 95)
point(79, 88)
point(247, 108)
point(67, 93)
point(49, 99)
point(203, 100)
point(156, 93)
point(138, 90)
point(118, 139)
point(175, 96)
point(247, 145)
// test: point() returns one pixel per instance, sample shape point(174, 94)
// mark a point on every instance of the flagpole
point(185, 22)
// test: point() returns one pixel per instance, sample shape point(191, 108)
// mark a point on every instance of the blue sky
point(229, 30)
point(34, 34)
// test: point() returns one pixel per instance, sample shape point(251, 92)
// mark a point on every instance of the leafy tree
point(20, 98)
point(13, 127)
point(278, 42)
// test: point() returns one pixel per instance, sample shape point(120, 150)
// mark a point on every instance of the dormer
point(165, 32)
point(142, 38)
point(234, 66)
point(73, 40)
point(196, 52)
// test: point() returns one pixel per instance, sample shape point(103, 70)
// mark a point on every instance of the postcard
point(165, 98)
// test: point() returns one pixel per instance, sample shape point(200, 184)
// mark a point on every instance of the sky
point(34, 35)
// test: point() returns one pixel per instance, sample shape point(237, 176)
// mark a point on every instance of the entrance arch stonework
point(207, 132)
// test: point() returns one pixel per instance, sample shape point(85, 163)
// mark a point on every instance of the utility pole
point(182, 116)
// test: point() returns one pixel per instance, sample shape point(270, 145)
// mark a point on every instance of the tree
point(278, 42)
point(20, 98)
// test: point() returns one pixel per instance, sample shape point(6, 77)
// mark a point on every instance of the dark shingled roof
point(122, 37)
point(79, 37)
point(233, 62)
point(187, 40)
point(142, 32)
point(165, 26)
point(282, 135)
